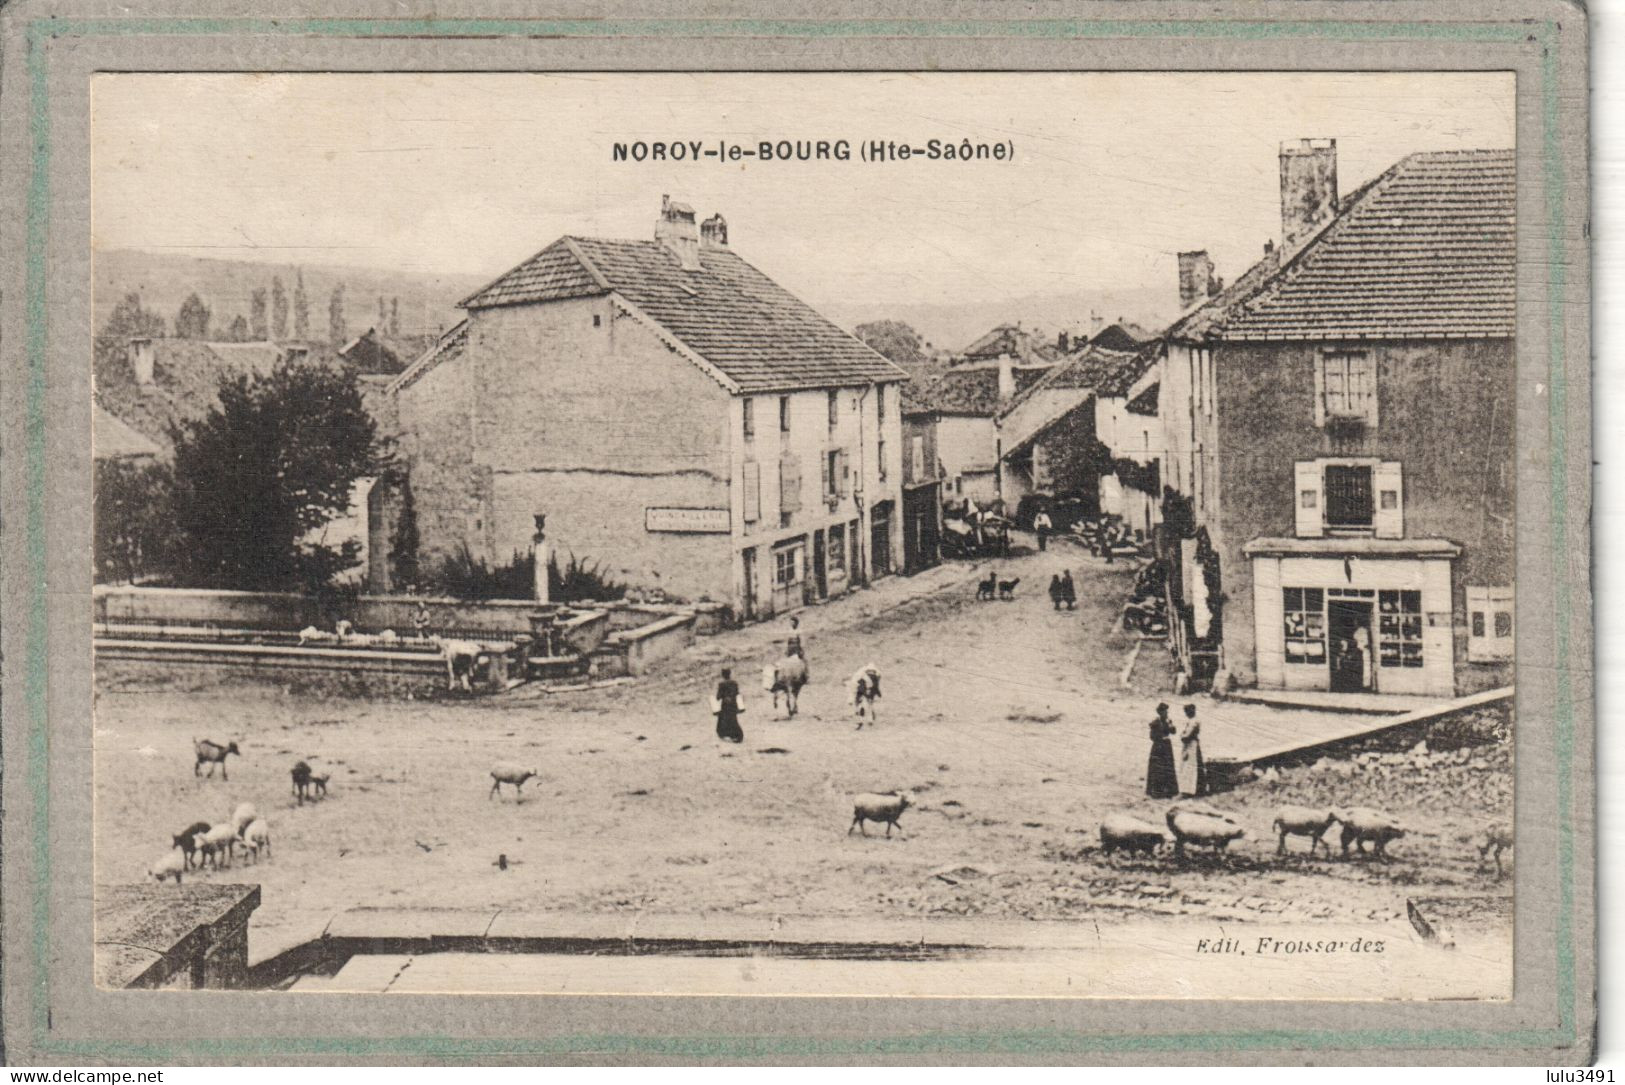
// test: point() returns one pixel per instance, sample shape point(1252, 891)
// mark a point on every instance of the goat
point(1497, 838)
point(1202, 826)
point(242, 817)
point(506, 772)
point(1007, 588)
point(1302, 821)
point(256, 837)
point(186, 840)
point(168, 865)
point(301, 781)
point(985, 588)
point(214, 754)
point(871, 807)
point(216, 842)
point(461, 658)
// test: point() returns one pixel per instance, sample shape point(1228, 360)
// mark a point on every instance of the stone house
point(676, 416)
point(967, 400)
point(1127, 423)
point(922, 481)
point(1340, 421)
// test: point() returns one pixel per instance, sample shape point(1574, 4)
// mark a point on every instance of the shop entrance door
point(1348, 622)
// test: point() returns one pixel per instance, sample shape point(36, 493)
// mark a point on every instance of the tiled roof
point(369, 354)
point(448, 347)
point(1146, 402)
point(1088, 370)
point(1121, 335)
point(113, 440)
point(186, 381)
point(1426, 251)
point(754, 332)
point(974, 389)
point(915, 399)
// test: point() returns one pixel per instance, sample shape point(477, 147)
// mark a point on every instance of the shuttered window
point(753, 491)
point(917, 469)
point(789, 484)
point(1390, 511)
point(843, 475)
point(1307, 484)
point(1348, 496)
point(1349, 385)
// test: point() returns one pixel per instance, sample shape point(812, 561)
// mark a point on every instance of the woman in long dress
point(726, 707)
point(1192, 769)
point(1161, 782)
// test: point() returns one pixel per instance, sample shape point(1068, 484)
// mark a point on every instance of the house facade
point(1341, 424)
point(1128, 424)
point(922, 482)
point(674, 416)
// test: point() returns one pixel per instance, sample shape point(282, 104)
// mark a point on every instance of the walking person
point(1055, 592)
point(1192, 769)
point(1042, 525)
point(725, 706)
point(792, 647)
point(1161, 780)
point(1069, 590)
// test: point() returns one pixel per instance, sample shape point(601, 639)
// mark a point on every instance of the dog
point(984, 588)
point(1007, 588)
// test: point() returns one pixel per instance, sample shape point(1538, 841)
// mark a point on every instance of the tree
point(301, 307)
point(192, 322)
point(259, 474)
point(133, 522)
point(404, 566)
point(394, 318)
point(238, 331)
point(130, 319)
point(338, 332)
point(895, 340)
point(258, 322)
point(279, 309)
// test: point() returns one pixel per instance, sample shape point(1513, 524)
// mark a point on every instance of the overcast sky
point(1113, 173)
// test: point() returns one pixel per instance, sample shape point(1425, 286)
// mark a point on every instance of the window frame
point(784, 414)
point(747, 408)
point(1311, 627)
point(1350, 406)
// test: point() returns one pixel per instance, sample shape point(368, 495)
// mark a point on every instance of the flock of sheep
point(201, 845)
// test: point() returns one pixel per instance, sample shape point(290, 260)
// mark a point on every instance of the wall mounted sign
point(687, 521)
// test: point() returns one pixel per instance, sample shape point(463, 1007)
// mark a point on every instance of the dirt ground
point(1006, 719)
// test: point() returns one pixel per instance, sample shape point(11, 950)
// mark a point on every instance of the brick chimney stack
point(714, 233)
point(1308, 187)
point(1195, 278)
point(1007, 378)
point(677, 230)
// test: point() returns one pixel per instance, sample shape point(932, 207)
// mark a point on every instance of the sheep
point(1497, 838)
point(1119, 831)
point(256, 838)
point(1303, 821)
point(214, 754)
point(871, 807)
point(1362, 824)
point(1201, 825)
point(216, 842)
point(301, 780)
point(186, 840)
point(242, 817)
point(167, 865)
point(506, 772)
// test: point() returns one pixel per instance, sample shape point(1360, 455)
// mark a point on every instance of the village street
point(1006, 719)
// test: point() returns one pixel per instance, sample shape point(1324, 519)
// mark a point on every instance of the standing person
point(725, 705)
point(1161, 779)
point(1042, 524)
point(1192, 769)
point(792, 647)
point(1361, 640)
point(1069, 590)
point(1108, 540)
point(420, 621)
point(1055, 591)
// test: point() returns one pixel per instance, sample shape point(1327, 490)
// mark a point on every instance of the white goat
point(242, 817)
point(872, 807)
point(168, 865)
point(509, 772)
point(257, 838)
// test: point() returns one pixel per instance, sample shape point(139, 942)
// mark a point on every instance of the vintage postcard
point(952, 513)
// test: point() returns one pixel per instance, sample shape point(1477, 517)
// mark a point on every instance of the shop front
point(1354, 615)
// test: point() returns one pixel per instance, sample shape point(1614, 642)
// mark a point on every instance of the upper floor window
point(880, 401)
point(1348, 497)
point(749, 406)
point(784, 414)
point(834, 407)
point(1489, 632)
point(1347, 387)
point(880, 460)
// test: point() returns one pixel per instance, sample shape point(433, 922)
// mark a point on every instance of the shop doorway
point(1348, 622)
point(820, 565)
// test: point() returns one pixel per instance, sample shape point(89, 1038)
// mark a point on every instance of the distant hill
point(951, 327)
point(427, 302)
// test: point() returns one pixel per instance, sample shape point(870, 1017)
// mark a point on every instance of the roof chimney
point(1195, 278)
point(1308, 187)
point(142, 361)
point(676, 230)
point(1007, 378)
point(714, 233)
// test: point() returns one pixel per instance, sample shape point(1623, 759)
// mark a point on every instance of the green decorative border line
point(40, 32)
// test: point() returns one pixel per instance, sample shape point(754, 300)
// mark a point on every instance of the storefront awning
point(1359, 546)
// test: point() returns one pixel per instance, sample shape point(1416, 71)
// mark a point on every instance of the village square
point(646, 593)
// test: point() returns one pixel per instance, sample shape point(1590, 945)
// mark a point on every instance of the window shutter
point(826, 483)
point(1389, 518)
point(753, 491)
point(1307, 499)
point(845, 481)
point(789, 484)
point(1320, 391)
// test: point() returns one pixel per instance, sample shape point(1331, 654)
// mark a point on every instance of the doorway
point(748, 604)
point(1348, 622)
point(820, 565)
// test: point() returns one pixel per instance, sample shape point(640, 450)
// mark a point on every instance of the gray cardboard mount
point(52, 1012)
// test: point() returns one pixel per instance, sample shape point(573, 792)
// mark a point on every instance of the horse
point(787, 676)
